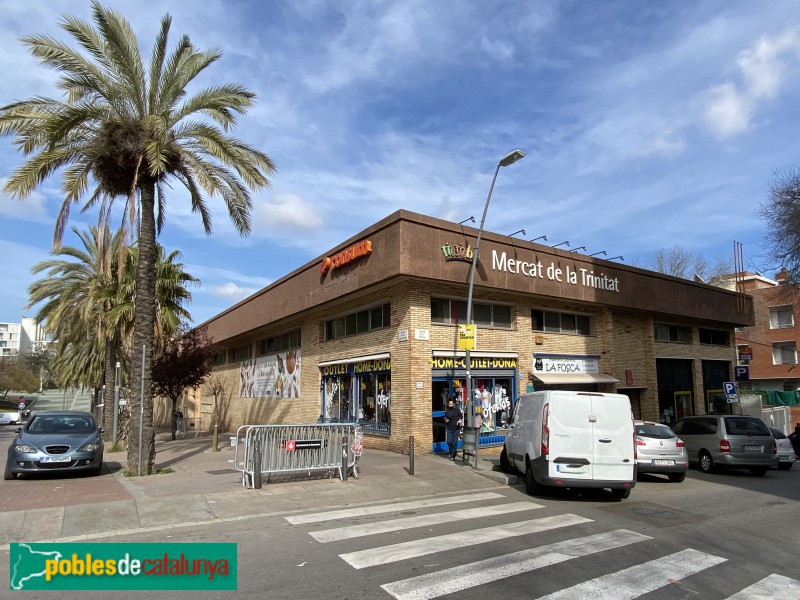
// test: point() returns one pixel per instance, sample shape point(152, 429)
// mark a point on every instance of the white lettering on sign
point(588, 278)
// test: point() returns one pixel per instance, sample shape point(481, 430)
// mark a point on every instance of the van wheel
point(706, 462)
point(505, 466)
point(532, 486)
point(676, 477)
point(621, 493)
point(759, 471)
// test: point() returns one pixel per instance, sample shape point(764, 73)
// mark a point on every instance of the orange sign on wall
point(345, 256)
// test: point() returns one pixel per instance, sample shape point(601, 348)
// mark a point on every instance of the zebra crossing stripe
point(445, 543)
point(462, 577)
point(769, 588)
point(352, 531)
point(640, 579)
point(388, 508)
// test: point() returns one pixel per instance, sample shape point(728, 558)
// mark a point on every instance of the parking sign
point(730, 392)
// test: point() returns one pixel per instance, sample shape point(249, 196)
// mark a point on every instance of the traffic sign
point(730, 392)
point(742, 373)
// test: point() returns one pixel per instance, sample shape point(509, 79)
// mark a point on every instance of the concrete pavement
point(204, 488)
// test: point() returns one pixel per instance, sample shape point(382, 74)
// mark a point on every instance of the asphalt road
point(710, 537)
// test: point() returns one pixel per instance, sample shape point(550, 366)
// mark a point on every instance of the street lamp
point(579, 248)
point(616, 257)
point(522, 231)
point(561, 244)
point(508, 159)
point(603, 252)
point(541, 237)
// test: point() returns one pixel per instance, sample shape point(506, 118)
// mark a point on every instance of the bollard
point(411, 455)
point(257, 464)
point(344, 457)
point(214, 447)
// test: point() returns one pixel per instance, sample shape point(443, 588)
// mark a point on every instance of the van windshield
point(659, 432)
point(745, 426)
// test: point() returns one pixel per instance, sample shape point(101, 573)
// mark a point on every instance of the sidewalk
point(205, 488)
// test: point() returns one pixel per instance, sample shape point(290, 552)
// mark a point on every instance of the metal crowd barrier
point(275, 449)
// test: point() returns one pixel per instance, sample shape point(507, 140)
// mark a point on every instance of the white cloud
point(32, 208)
point(497, 49)
point(288, 212)
point(232, 291)
point(730, 107)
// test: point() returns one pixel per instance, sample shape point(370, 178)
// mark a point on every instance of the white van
point(572, 439)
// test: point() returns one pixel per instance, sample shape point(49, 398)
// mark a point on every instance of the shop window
point(784, 353)
point(374, 403)
point(561, 322)
point(362, 321)
point(279, 343)
point(781, 317)
point(671, 333)
point(453, 312)
point(715, 337)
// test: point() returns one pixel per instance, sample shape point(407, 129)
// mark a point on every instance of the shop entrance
point(444, 388)
point(675, 389)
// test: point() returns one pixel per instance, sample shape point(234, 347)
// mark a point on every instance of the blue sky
point(646, 125)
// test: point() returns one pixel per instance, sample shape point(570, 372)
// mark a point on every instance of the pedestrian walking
point(453, 420)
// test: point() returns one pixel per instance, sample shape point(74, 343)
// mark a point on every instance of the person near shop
point(453, 420)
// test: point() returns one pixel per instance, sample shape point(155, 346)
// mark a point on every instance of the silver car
point(785, 449)
point(56, 441)
point(730, 441)
point(659, 450)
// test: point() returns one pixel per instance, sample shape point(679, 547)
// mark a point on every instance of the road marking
point(445, 543)
point(769, 588)
point(387, 508)
point(462, 577)
point(352, 531)
point(640, 579)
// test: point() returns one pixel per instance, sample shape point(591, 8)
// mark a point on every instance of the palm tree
point(87, 304)
point(133, 130)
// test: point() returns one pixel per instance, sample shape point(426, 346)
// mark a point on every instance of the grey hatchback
point(659, 450)
point(56, 441)
point(733, 441)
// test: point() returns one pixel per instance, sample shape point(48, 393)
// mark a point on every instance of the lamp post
point(508, 159)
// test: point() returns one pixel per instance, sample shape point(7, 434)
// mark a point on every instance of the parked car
point(572, 439)
point(659, 450)
point(731, 441)
point(786, 454)
point(9, 418)
point(56, 441)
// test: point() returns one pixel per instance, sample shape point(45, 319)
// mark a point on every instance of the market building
point(368, 332)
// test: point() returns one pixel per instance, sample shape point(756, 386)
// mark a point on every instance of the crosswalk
point(627, 583)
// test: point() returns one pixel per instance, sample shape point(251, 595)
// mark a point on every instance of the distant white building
point(21, 338)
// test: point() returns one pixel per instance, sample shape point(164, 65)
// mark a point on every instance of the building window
point(781, 317)
point(671, 333)
point(561, 322)
point(242, 352)
point(453, 312)
point(279, 343)
point(378, 317)
point(784, 353)
point(715, 337)
point(219, 358)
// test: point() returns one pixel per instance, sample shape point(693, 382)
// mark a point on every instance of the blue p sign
point(742, 373)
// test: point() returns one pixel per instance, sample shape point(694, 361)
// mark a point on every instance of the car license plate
point(663, 463)
point(55, 459)
point(752, 448)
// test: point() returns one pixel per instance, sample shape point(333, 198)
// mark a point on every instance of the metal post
point(257, 482)
point(141, 409)
point(116, 404)
point(214, 447)
point(345, 445)
point(411, 455)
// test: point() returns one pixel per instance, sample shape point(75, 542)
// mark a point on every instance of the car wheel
point(706, 462)
point(97, 471)
point(8, 475)
point(621, 493)
point(676, 477)
point(785, 466)
point(759, 471)
point(532, 486)
point(505, 466)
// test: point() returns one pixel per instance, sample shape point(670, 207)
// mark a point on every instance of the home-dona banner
point(272, 376)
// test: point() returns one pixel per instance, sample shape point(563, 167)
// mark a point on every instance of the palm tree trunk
point(144, 311)
point(108, 391)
